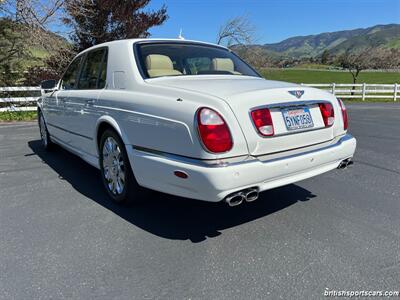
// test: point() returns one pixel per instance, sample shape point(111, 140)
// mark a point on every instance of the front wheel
point(116, 173)
point(44, 133)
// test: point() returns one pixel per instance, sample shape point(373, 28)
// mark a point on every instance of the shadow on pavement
point(165, 215)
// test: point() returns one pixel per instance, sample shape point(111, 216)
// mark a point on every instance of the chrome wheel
point(43, 131)
point(113, 166)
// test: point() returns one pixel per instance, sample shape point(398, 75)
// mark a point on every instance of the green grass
point(313, 76)
point(18, 116)
point(314, 66)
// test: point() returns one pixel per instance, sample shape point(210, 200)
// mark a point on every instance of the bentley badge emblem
point(297, 94)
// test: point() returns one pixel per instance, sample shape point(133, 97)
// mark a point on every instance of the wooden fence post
point(396, 88)
point(363, 91)
point(333, 88)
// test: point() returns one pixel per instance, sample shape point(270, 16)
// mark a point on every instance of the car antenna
point(180, 36)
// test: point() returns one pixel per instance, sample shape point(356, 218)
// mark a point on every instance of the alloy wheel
point(113, 166)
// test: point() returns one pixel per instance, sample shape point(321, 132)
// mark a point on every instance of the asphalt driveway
point(60, 237)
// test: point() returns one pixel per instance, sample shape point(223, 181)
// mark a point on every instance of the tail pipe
point(237, 198)
point(345, 163)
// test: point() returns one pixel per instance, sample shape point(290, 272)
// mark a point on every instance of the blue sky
point(275, 20)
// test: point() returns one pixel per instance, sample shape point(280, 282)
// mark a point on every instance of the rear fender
point(114, 124)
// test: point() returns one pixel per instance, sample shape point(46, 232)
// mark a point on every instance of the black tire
point(131, 192)
point(44, 133)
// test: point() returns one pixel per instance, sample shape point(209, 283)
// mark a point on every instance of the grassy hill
point(336, 42)
point(33, 54)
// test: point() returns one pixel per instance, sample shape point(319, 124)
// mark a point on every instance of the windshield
point(183, 59)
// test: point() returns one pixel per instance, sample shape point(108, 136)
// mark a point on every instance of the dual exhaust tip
point(251, 194)
point(237, 198)
point(345, 163)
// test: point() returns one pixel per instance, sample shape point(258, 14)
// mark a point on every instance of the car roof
point(133, 41)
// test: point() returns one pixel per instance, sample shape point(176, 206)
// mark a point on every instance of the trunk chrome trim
point(290, 104)
point(287, 105)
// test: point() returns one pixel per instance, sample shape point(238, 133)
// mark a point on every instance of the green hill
point(336, 42)
point(30, 52)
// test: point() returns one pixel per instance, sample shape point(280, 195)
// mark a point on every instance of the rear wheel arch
point(117, 175)
point(105, 123)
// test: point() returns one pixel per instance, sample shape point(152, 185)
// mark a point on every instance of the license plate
point(297, 118)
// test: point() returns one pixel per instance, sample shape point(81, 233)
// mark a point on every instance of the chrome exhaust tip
point(345, 163)
point(235, 199)
point(251, 195)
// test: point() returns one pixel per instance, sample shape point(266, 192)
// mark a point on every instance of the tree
point(238, 34)
point(37, 17)
point(254, 55)
point(98, 21)
point(238, 30)
point(13, 51)
point(24, 29)
point(325, 56)
point(53, 67)
point(370, 58)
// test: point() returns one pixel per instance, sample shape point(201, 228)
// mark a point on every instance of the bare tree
point(37, 17)
point(26, 26)
point(238, 30)
point(254, 55)
point(239, 34)
point(370, 58)
point(355, 62)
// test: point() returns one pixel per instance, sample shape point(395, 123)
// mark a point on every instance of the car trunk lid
point(244, 94)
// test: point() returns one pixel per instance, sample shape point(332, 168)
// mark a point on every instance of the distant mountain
point(336, 42)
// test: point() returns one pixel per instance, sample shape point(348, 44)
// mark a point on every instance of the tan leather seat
point(223, 64)
point(160, 65)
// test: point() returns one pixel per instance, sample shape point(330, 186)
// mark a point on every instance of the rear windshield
point(183, 59)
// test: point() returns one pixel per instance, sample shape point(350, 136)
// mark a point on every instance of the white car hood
point(220, 85)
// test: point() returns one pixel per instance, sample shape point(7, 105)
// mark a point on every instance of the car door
point(57, 116)
point(81, 114)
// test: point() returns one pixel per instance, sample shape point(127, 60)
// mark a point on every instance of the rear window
point(184, 59)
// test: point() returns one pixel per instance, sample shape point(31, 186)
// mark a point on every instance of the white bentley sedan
point(190, 119)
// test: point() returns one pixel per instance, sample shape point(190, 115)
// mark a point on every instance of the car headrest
point(158, 61)
point(222, 64)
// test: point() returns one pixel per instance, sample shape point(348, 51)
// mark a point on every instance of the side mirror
point(48, 84)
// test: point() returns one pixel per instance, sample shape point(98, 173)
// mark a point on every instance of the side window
point(93, 74)
point(69, 79)
point(103, 71)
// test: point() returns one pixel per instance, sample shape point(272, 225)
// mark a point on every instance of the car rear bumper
point(213, 181)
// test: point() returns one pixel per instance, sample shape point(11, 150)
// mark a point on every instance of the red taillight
point(344, 114)
point(263, 121)
point(214, 132)
point(328, 114)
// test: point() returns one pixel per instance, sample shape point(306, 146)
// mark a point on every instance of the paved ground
point(61, 238)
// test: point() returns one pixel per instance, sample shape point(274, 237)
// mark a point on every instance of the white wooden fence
point(361, 90)
point(8, 102)
point(364, 91)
